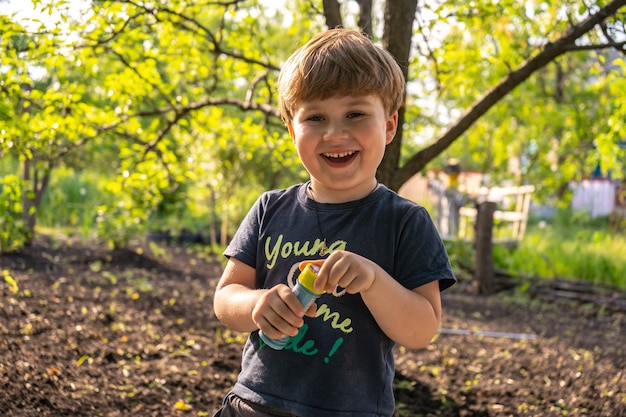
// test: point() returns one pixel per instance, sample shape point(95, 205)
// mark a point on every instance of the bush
point(13, 234)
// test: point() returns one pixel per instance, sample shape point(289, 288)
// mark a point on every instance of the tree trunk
point(397, 37)
point(485, 273)
point(332, 13)
point(365, 16)
point(224, 229)
point(34, 187)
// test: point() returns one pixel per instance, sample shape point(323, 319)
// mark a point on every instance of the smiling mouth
point(339, 156)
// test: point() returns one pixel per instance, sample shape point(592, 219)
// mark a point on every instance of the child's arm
point(241, 307)
point(410, 318)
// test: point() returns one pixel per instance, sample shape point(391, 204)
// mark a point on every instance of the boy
point(382, 262)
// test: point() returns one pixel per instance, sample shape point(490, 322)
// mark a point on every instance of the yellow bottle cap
point(307, 278)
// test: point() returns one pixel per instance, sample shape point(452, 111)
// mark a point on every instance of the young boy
point(382, 262)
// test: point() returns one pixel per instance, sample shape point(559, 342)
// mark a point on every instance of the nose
point(335, 130)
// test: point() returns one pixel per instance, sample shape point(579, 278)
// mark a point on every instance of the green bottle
point(306, 293)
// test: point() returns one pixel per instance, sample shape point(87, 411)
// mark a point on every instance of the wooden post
point(485, 272)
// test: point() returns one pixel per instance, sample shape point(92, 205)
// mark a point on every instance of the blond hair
point(339, 62)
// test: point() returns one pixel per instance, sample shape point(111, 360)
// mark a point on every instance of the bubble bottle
point(306, 293)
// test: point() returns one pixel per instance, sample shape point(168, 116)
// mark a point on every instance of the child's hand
point(347, 270)
point(279, 313)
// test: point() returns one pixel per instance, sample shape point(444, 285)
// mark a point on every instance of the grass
point(584, 252)
point(569, 246)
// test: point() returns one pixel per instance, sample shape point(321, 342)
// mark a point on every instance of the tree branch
point(244, 105)
point(552, 50)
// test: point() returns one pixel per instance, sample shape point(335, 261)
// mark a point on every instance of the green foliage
point(547, 131)
point(12, 231)
point(133, 95)
point(133, 204)
point(174, 105)
point(461, 254)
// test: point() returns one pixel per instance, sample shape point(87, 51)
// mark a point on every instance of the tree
point(43, 122)
point(539, 72)
point(400, 17)
point(142, 81)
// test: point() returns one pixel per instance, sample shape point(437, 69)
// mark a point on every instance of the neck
point(313, 191)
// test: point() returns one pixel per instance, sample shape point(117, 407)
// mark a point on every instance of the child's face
point(341, 141)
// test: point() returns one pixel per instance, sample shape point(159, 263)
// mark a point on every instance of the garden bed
point(87, 331)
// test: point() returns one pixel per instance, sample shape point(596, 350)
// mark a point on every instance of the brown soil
point(85, 331)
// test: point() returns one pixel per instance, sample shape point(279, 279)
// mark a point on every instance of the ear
point(391, 127)
point(290, 129)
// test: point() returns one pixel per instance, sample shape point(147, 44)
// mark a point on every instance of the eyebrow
point(354, 101)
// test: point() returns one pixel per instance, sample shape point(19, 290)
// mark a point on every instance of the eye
point(354, 115)
point(315, 118)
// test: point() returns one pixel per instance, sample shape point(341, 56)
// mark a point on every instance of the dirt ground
point(86, 331)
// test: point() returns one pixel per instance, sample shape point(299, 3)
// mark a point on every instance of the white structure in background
point(513, 205)
point(597, 196)
point(454, 211)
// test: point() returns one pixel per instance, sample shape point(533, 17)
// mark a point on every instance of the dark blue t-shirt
point(341, 363)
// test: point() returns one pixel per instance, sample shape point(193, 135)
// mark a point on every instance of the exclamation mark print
point(334, 349)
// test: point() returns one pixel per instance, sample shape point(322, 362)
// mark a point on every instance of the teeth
point(339, 155)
